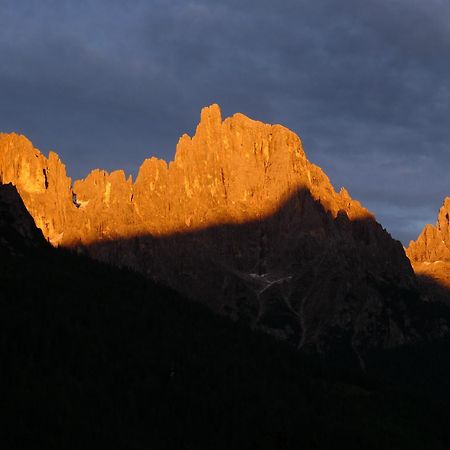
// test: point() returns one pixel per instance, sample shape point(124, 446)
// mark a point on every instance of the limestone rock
point(241, 221)
point(430, 253)
point(41, 182)
point(433, 244)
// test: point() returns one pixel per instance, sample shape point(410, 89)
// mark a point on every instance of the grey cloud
point(365, 84)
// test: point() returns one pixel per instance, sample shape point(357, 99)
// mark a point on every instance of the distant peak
point(211, 116)
point(212, 110)
point(446, 204)
point(433, 243)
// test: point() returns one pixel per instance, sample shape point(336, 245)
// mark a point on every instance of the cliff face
point(430, 253)
point(41, 182)
point(433, 244)
point(240, 220)
point(233, 171)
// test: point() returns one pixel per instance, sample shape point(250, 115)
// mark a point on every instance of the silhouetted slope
point(433, 243)
point(18, 232)
point(96, 357)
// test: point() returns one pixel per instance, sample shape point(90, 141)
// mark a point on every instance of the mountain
point(242, 222)
point(430, 253)
point(98, 357)
point(433, 244)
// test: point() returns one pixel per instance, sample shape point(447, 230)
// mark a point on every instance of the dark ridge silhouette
point(327, 285)
point(18, 232)
point(99, 357)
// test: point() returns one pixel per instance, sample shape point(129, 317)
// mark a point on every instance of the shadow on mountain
point(329, 285)
point(99, 357)
point(433, 289)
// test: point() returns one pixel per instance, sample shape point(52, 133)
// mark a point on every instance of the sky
point(364, 83)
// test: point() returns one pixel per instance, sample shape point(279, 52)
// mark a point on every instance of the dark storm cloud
point(365, 84)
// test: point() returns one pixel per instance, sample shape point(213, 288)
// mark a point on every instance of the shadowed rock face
point(242, 221)
point(430, 253)
point(324, 283)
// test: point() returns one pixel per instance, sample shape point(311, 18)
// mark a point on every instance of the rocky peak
point(233, 171)
point(430, 255)
point(433, 244)
point(241, 221)
point(443, 222)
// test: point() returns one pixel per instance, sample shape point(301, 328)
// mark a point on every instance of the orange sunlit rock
point(230, 171)
point(430, 253)
point(42, 183)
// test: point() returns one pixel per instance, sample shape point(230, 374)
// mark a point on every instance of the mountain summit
point(240, 221)
point(232, 171)
point(433, 244)
point(430, 253)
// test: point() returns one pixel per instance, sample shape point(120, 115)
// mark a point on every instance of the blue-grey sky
point(365, 83)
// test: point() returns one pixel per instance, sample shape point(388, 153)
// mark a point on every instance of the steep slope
point(430, 253)
point(18, 232)
point(242, 221)
point(42, 183)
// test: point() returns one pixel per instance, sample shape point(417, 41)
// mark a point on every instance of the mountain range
point(317, 321)
point(242, 222)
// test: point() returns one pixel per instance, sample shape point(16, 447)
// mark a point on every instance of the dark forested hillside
point(95, 357)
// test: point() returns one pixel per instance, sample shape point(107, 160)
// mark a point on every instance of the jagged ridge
point(430, 253)
point(240, 220)
point(230, 172)
point(433, 243)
